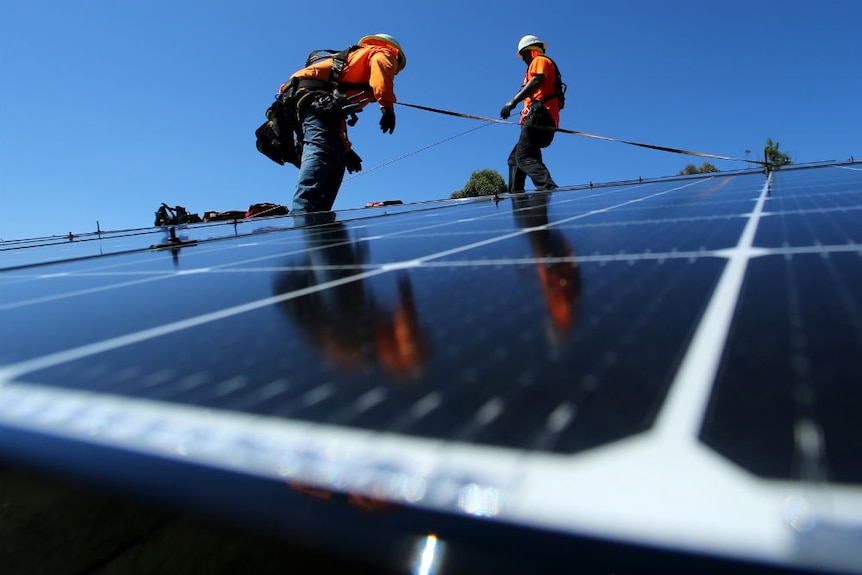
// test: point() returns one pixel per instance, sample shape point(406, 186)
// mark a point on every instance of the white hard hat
point(386, 39)
point(530, 40)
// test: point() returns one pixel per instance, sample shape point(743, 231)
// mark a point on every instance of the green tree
point(773, 156)
point(704, 168)
point(485, 182)
point(688, 170)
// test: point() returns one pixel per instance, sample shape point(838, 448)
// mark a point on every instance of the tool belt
point(315, 85)
point(328, 101)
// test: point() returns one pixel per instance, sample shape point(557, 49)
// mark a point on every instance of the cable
point(414, 152)
point(586, 135)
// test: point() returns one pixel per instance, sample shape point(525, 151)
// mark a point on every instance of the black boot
point(517, 180)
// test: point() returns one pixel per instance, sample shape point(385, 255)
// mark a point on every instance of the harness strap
point(326, 86)
point(561, 86)
point(312, 84)
point(339, 63)
point(302, 91)
point(556, 94)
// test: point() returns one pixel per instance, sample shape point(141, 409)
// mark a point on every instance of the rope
point(428, 147)
point(586, 135)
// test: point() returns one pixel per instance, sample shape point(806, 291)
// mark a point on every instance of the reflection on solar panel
point(669, 367)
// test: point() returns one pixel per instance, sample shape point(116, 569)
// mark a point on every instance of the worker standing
point(543, 95)
point(323, 104)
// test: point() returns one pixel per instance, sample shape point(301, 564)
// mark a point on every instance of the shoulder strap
point(339, 62)
point(318, 55)
point(560, 92)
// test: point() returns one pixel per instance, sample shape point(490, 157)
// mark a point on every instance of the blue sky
point(109, 108)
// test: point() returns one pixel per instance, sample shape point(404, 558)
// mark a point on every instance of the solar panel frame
point(674, 283)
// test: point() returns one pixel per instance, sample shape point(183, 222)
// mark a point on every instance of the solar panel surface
point(671, 365)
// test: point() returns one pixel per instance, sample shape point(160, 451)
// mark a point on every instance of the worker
point(542, 93)
point(559, 274)
point(345, 321)
point(322, 109)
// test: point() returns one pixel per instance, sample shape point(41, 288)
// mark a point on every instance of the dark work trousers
point(526, 160)
point(322, 168)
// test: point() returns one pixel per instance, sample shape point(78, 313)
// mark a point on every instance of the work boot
point(517, 180)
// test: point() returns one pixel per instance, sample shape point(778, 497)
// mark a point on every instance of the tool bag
point(172, 216)
point(277, 138)
point(266, 209)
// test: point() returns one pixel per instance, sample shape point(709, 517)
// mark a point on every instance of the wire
point(586, 135)
point(428, 147)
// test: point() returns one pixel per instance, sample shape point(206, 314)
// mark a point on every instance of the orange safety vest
point(544, 66)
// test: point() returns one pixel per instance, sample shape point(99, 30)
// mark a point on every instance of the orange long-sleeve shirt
point(374, 65)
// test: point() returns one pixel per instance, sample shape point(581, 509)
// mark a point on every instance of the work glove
point(507, 109)
point(387, 120)
point(353, 161)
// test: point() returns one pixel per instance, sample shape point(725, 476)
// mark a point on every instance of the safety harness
point(278, 138)
point(560, 92)
point(339, 62)
point(538, 114)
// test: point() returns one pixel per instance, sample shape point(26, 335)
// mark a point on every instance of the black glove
point(352, 161)
point(507, 109)
point(387, 120)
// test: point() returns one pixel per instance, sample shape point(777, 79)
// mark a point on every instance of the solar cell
point(669, 366)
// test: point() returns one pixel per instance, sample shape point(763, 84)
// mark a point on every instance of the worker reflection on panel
point(559, 275)
point(345, 321)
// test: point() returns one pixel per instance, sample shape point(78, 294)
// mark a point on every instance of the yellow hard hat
point(377, 39)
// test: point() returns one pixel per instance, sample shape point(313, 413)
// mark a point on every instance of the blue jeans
point(322, 168)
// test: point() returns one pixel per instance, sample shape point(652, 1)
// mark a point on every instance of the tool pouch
point(330, 106)
point(541, 124)
point(276, 138)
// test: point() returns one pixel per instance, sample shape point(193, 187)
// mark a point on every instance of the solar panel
point(660, 372)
